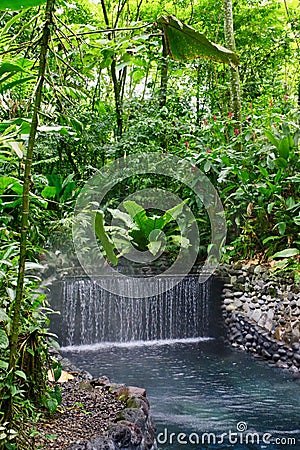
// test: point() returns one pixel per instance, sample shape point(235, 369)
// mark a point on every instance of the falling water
point(91, 314)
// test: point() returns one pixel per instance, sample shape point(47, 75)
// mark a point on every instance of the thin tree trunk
point(17, 307)
point(164, 75)
point(235, 90)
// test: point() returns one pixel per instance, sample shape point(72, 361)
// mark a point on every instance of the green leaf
point(139, 215)
point(281, 228)
point(10, 22)
point(51, 404)
point(120, 215)
point(17, 147)
point(181, 240)
point(21, 374)
point(3, 316)
point(4, 342)
point(102, 236)
point(287, 253)
point(10, 183)
point(7, 67)
point(57, 370)
point(284, 148)
point(30, 265)
point(207, 166)
point(270, 238)
point(9, 86)
point(49, 192)
point(184, 42)
point(3, 364)
point(272, 138)
point(281, 163)
point(157, 239)
point(154, 247)
point(57, 395)
point(174, 213)
point(263, 171)
point(297, 220)
point(14, 5)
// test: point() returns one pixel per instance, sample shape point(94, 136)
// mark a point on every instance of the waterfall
point(91, 314)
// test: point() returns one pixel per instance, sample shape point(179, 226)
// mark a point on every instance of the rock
point(230, 307)
point(134, 391)
point(102, 443)
point(255, 315)
point(136, 416)
point(282, 351)
point(121, 434)
point(297, 357)
point(233, 279)
point(266, 354)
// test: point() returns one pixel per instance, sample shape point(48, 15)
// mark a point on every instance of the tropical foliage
point(83, 83)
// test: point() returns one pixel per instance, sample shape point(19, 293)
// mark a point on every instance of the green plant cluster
point(109, 94)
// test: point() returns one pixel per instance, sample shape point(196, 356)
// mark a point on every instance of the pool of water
point(216, 397)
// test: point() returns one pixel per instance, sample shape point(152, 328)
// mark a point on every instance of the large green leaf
point(14, 5)
point(9, 68)
point(284, 147)
point(101, 234)
point(287, 253)
point(8, 86)
point(139, 215)
point(184, 42)
point(10, 183)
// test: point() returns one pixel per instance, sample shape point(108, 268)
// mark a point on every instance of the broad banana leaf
point(184, 42)
point(15, 5)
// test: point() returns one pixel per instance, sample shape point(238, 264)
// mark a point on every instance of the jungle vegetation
point(85, 82)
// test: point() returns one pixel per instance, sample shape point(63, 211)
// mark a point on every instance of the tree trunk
point(235, 90)
point(164, 75)
point(17, 306)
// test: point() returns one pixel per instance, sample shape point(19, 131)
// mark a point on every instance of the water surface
point(200, 386)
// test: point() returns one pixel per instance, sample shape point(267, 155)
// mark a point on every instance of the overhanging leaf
point(101, 234)
point(184, 42)
point(14, 5)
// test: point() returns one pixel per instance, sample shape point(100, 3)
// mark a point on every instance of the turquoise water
point(197, 387)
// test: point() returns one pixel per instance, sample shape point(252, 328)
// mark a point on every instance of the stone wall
point(261, 313)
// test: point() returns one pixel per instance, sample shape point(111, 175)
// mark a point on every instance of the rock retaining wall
point(261, 314)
